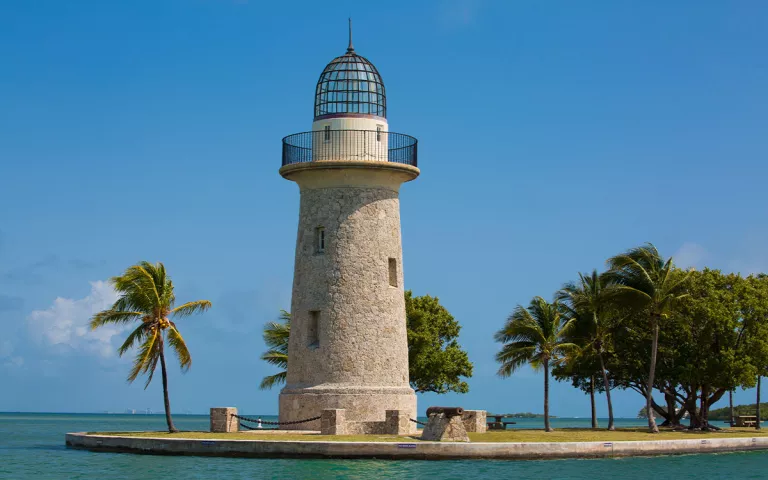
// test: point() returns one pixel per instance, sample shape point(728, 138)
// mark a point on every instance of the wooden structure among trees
point(746, 421)
point(498, 423)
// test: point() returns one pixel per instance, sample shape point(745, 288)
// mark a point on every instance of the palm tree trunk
point(547, 428)
point(730, 403)
point(611, 427)
point(649, 394)
point(592, 402)
point(168, 418)
point(757, 423)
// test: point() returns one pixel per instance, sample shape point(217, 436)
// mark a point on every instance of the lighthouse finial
point(350, 48)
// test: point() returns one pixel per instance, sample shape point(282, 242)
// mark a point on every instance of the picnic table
point(498, 423)
point(746, 421)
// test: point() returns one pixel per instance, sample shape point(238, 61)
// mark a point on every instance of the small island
point(520, 415)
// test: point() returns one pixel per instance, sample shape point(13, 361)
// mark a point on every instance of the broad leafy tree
point(537, 336)
point(709, 343)
point(643, 280)
point(436, 361)
point(146, 296)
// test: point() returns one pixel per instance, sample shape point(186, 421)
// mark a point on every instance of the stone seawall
point(406, 450)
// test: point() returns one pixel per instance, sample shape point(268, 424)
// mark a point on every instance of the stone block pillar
point(333, 422)
point(441, 428)
point(475, 421)
point(222, 420)
point(397, 422)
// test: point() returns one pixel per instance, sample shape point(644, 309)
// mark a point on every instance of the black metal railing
point(352, 145)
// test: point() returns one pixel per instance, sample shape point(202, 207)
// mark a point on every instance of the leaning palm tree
point(642, 279)
point(276, 337)
point(536, 336)
point(146, 295)
point(588, 302)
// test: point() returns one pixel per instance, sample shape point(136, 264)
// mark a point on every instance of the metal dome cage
point(350, 84)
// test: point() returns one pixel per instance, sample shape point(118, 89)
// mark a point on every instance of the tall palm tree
point(589, 303)
point(641, 278)
point(276, 337)
point(535, 336)
point(757, 404)
point(146, 295)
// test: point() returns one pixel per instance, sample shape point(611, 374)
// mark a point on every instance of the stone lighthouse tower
point(348, 346)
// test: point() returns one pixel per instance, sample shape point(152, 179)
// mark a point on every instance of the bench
point(746, 421)
point(498, 424)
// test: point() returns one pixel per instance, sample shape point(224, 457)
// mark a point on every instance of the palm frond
point(191, 308)
point(629, 296)
point(535, 335)
point(276, 335)
point(179, 346)
point(135, 336)
point(138, 279)
point(520, 325)
point(276, 357)
point(114, 317)
point(151, 370)
point(136, 300)
point(272, 380)
point(144, 359)
point(513, 356)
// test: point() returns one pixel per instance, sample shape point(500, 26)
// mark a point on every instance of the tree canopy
point(436, 361)
point(687, 336)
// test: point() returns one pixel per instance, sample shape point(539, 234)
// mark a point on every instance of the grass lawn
point(513, 435)
point(621, 434)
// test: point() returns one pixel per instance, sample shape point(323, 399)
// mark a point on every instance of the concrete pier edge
point(408, 450)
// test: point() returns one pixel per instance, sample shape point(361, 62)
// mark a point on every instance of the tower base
point(362, 404)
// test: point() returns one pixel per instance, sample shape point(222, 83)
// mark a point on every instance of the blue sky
point(552, 135)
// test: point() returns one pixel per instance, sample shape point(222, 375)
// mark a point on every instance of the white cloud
point(66, 322)
point(690, 255)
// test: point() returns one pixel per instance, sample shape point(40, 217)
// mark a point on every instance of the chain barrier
point(264, 422)
point(417, 422)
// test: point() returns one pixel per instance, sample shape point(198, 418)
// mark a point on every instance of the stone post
point(475, 421)
point(222, 420)
point(332, 422)
point(397, 422)
point(441, 428)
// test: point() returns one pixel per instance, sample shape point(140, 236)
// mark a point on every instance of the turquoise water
point(32, 447)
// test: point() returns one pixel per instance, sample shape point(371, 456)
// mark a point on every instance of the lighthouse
point(348, 345)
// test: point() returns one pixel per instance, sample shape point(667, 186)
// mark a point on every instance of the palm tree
point(757, 404)
point(642, 279)
point(534, 336)
point(588, 302)
point(146, 295)
point(276, 337)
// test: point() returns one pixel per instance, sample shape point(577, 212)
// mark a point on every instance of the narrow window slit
point(313, 329)
point(392, 272)
point(320, 240)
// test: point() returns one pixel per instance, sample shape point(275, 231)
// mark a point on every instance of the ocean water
point(32, 447)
